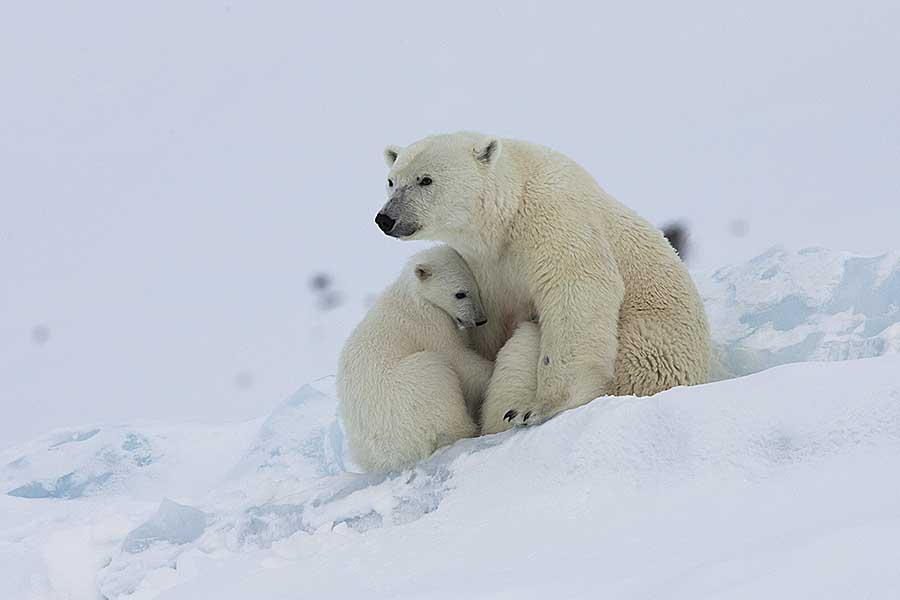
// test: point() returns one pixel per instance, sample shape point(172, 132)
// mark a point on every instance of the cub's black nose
point(384, 222)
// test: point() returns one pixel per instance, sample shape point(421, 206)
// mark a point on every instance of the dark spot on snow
point(677, 236)
point(327, 297)
point(244, 380)
point(320, 281)
point(40, 334)
point(738, 227)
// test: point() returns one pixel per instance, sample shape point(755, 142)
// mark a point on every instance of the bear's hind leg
point(656, 354)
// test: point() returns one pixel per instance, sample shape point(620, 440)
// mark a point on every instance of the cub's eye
point(425, 181)
point(390, 183)
point(461, 295)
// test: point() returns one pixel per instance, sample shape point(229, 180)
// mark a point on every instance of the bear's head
point(443, 278)
point(436, 186)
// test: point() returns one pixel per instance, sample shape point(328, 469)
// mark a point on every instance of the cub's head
point(435, 187)
point(442, 278)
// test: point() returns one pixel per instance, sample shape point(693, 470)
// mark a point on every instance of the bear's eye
point(390, 183)
point(461, 295)
point(425, 181)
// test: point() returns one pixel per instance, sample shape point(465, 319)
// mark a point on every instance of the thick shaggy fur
point(619, 313)
point(408, 381)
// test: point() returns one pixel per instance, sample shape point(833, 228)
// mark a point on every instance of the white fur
point(514, 381)
point(408, 381)
point(619, 313)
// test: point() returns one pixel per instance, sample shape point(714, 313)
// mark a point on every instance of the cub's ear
point(487, 150)
point(390, 155)
point(423, 272)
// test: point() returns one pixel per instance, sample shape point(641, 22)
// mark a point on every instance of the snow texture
point(173, 524)
point(811, 305)
point(777, 484)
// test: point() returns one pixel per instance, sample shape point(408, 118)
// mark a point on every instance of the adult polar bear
point(617, 309)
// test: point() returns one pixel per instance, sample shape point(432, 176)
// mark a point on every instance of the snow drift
point(777, 484)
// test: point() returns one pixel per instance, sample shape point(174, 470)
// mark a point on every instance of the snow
point(813, 304)
point(113, 459)
point(173, 524)
point(776, 483)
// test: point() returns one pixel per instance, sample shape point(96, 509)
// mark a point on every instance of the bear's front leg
point(514, 381)
point(579, 304)
point(568, 375)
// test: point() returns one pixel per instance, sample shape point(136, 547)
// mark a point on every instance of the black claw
point(527, 416)
point(510, 415)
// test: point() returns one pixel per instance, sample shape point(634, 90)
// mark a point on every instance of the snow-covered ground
point(777, 482)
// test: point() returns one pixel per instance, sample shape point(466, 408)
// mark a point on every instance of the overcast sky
point(172, 173)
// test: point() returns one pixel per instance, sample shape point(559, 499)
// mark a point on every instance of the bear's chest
point(507, 302)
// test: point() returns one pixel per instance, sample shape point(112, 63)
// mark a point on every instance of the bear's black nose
point(384, 222)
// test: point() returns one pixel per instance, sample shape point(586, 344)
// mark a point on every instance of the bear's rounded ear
point(390, 155)
point(487, 150)
point(423, 272)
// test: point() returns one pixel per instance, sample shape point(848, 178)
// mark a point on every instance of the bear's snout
point(395, 227)
point(384, 222)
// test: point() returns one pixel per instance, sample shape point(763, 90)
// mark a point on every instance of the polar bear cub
point(408, 381)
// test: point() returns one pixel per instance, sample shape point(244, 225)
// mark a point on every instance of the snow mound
point(95, 461)
point(717, 486)
point(699, 482)
point(300, 440)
